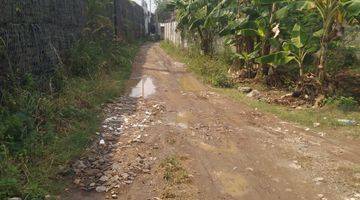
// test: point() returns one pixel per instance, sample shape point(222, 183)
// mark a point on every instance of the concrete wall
point(171, 34)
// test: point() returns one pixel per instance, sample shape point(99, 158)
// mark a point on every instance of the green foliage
point(9, 179)
point(299, 46)
point(195, 16)
point(344, 103)
point(275, 31)
point(247, 57)
point(162, 10)
point(276, 59)
point(84, 59)
point(87, 58)
point(174, 173)
point(341, 57)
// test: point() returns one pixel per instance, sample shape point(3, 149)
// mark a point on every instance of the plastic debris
point(347, 122)
point(102, 142)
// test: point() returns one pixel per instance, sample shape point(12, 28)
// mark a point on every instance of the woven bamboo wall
point(37, 32)
point(130, 20)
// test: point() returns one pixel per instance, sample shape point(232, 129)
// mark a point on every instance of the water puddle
point(144, 88)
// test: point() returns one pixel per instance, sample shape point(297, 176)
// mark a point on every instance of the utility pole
point(150, 27)
point(115, 18)
point(150, 7)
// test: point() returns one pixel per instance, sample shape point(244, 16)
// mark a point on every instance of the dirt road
point(173, 138)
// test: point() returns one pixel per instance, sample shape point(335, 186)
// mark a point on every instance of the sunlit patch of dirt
point(351, 174)
point(188, 83)
point(229, 147)
point(231, 183)
point(184, 117)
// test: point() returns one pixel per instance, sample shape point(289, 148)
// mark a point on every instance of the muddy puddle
point(144, 88)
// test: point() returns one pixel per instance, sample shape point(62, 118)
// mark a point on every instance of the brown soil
point(202, 145)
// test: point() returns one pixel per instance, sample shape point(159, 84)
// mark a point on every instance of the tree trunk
point(301, 70)
point(205, 46)
point(238, 48)
point(321, 66)
point(249, 44)
point(266, 47)
point(206, 42)
point(115, 18)
point(119, 12)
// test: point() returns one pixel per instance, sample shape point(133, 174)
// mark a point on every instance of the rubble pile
point(123, 127)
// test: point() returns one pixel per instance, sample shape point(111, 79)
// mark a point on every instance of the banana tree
point(193, 17)
point(334, 14)
point(250, 24)
point(247, 59)
point(276, 59)
point(240, 23)
point(299, 46)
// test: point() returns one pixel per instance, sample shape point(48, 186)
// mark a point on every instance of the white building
point(147, 15)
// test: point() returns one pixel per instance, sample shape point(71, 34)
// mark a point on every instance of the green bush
point(344, 103)
point(340, 58)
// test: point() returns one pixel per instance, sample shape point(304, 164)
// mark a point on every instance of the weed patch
point(174, 173)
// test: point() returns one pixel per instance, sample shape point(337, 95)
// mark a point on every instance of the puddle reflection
point(144, 88)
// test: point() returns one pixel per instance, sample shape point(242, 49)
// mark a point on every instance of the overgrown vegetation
point(42, 130)
point(335, 108)
point(271, 38)
point(162, 12)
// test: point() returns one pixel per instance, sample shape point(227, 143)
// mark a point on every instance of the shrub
point(340, 58)
point(344, 103)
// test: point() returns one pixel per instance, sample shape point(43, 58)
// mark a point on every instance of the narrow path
point(173, 138)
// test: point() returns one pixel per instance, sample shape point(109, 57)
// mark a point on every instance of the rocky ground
point(111, 163)
point(171, 137)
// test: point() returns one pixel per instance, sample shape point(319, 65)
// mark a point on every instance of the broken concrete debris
point(99, 170)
